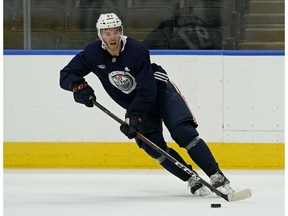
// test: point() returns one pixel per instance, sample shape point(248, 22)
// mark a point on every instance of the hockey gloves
point(83, 93)
point(132, 125)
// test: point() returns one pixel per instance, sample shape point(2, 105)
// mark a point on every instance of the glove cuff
point(79, 87)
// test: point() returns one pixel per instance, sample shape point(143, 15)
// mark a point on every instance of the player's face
point(111, 38)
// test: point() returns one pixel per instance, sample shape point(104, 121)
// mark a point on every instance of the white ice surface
point(95, 192)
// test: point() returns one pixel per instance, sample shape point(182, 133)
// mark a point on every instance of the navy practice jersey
point(130, 79)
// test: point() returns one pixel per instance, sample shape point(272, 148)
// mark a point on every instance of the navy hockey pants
point(174, 112)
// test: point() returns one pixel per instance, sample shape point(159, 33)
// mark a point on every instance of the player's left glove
point(132, 124)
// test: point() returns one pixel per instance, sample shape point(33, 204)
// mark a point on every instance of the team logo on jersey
point(122, 80)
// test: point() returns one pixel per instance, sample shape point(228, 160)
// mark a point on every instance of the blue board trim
point(159, 52)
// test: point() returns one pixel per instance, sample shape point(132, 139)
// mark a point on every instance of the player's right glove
point(83, 93)
point(132, 124)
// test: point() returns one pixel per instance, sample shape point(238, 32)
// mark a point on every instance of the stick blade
point(241, 195)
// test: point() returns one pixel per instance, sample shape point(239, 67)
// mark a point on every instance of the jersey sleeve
point(74, 71)
point(161, 79)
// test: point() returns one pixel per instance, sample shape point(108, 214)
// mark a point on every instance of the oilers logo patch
point(122, 80)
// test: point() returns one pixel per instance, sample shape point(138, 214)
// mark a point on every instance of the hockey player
point(144, 90)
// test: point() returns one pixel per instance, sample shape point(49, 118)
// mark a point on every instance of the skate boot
point(197, 188)
point(219, 181)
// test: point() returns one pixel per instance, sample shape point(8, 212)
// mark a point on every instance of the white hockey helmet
point(109, 20)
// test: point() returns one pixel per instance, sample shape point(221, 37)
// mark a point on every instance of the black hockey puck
point(215, 205)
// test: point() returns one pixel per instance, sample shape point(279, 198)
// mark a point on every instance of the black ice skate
point(219, 181)
point(197, 188)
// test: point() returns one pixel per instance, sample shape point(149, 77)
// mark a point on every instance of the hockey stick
point(244, 194)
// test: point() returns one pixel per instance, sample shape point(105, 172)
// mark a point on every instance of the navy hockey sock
point(202, 156)
point(187, 137)
point(171, 167)
point(168, 165)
